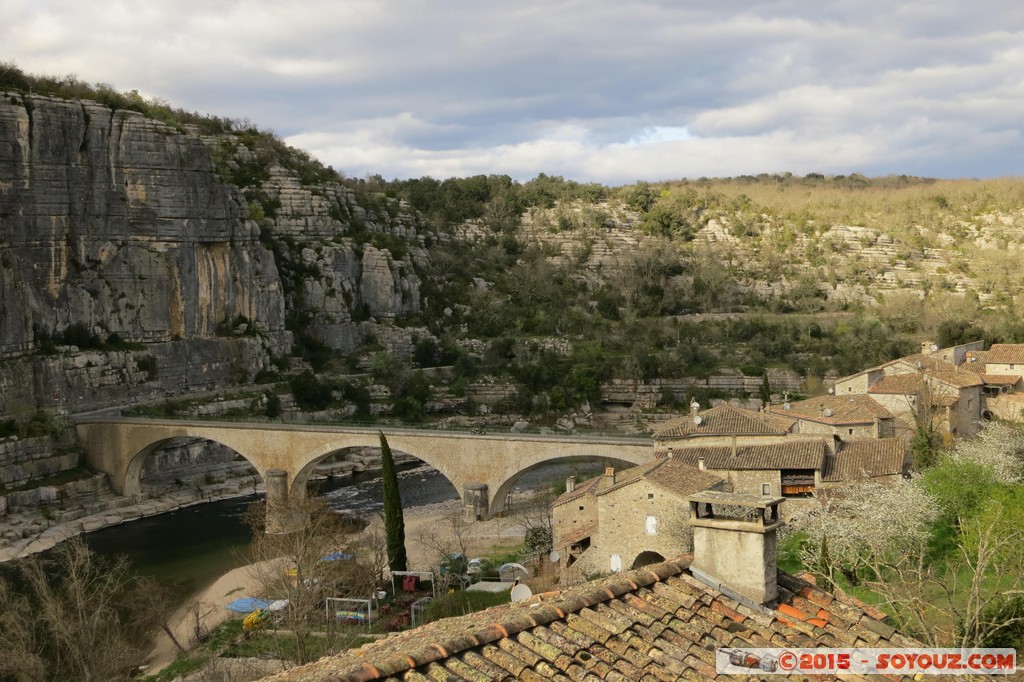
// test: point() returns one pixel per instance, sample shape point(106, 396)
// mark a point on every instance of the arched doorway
point(646, 559)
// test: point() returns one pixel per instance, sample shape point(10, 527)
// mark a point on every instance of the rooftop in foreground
point(655, 623)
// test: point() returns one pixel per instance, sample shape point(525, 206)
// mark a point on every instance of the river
point(191, 547)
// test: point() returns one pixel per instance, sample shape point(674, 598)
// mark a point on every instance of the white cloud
point(599, 90)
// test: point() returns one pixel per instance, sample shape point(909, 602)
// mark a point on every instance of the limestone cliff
point(125, 230)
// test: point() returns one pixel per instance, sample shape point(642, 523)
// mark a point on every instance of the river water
point(191, 547)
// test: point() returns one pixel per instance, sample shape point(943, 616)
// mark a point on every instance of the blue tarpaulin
point(338, 556)
point(247, 605)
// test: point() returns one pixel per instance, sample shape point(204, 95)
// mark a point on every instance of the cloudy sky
point(604, 90)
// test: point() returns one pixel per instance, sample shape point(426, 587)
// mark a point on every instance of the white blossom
point(997, 447)
point(867, 520)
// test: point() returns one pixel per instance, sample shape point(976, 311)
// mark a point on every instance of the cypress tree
point(394, 518)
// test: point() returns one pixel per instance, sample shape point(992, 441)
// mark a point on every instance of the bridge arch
point(133, 476)
point(501, 493)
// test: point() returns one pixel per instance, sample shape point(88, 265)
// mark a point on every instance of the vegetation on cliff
point(559, 287)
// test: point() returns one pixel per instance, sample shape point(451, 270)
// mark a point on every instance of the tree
point(74, 616)
point(394, 518)
point(943, 552)
point(766, 391)
point(320, 559)
point(446, 540)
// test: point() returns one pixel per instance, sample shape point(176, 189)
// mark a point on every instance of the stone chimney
point(570, 484)
point(736, 553)
point(609, 474)
point(700, 462)
point(694, 407)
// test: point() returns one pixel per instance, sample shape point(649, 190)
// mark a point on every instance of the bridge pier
point(474, 497)
point(282, 515)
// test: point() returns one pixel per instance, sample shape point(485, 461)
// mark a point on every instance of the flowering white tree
point(864, 523)
point(943, 552)
point(999, 448)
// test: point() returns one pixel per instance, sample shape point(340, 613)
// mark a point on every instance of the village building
point(675, 620)
point(957, 388)
point(626, 519)
point(846, 417)
point(791, 450)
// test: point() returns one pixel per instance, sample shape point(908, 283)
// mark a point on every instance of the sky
point(609, 91)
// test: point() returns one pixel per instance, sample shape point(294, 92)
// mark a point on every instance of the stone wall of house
point(623, 527)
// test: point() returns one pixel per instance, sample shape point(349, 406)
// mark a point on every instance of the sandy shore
point(425, 527)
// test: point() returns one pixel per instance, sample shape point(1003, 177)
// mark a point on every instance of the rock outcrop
point(134, 268)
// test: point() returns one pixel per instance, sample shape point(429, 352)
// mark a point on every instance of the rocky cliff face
point(121, 228)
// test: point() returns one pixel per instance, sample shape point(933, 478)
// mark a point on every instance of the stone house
point(675, 620)
point(787, 452)
point(1001, 368)
point(845, 417)
point(626, 519)
point(921, 387)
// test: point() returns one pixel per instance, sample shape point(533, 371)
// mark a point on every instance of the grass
point(461, 603)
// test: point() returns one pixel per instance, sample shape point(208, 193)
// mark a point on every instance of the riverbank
point(206, 609)
point(38, 534)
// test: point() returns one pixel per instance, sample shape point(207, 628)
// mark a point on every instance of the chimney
point(926, 348)
point(736, 554)
point(734, 446)
point(609, 474)
point(671, 452)
point(694, 407)
point(700, 462)
point(570, 484)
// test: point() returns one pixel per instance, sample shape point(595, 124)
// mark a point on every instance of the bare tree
point(303, 567)
point(75, 617)
point(446, 540)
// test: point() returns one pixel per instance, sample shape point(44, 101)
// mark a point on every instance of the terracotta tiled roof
point(925, 362)
point(956, 377)
point(585, 488)
point(796, 454)
point(974, 361)
point(682, 479)
point(901, 384)
point(860, 459)
point(654, 623)
point(1004, 353)
point(727, 420)
point(836, 409)
point(672, 475)
point(1000, 379)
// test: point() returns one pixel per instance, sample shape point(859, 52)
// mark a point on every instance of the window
point(797, 482)
point(650, 496)
point(581, 507)
point(851, 431)
point(766, 488)
point(652, 525)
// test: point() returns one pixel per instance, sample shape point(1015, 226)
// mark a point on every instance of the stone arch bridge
point(482, 467)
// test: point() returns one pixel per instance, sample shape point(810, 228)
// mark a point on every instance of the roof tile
point(836, 409)
point(796, 454)
point(1005, 353)
point(867, 458)
point(726, 420)
point(657, 624)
